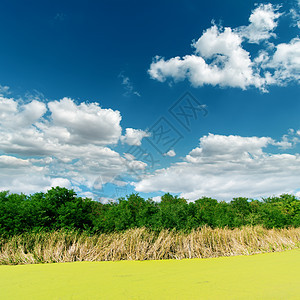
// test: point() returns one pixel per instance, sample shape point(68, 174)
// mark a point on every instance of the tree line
point(61, 208)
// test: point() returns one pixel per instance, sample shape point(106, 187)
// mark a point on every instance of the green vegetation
point(58, 226)
point(263, 276)
point(60, 208)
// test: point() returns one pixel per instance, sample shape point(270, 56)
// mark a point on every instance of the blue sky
point(86, 88)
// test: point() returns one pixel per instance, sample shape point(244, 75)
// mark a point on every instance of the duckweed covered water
point(262, 276)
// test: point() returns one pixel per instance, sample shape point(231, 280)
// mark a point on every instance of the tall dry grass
point(144, 244)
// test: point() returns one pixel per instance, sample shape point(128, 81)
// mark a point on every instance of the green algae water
point(262, 276)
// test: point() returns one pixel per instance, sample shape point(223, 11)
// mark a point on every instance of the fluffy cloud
point(170, 153)
point(86, 123)
point(60, 143)
point(263, 21)
point(286, 61)
point(231, 148)
point(220, 59)
point(10, 162)
point(134, 137)
point(27, 175)
point(226, 167)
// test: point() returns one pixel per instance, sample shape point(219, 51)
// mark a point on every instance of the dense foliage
point(60, 208)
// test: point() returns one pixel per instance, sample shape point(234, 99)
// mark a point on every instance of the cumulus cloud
point(134, 137)
point(263, 21)
point(225, 167)
point(286, 62)
point(86, 122)
point(170, 153)
point(219, 147)
point(27, 175)
point(220, 58)
point(59, 143)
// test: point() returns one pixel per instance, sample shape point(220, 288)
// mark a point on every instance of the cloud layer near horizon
point(68, 144)
point(224, 167)
point(60, 143)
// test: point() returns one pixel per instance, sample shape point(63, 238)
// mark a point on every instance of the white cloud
point(14, 115)
point(156, 199)
point(286, 62)
point(61, 143)
point(296, 17)
point(289, 140)
point(62, 182)
point(233, 148)
point(22, 175)
point(170, 153)
point(134, 137)
point(295, 14)
point(86, 122)
point(263, 21)
point(7, 108)
point(225, 167)
point(220, 59)
point(9, 162)
point(284, 144)
point(30, 113)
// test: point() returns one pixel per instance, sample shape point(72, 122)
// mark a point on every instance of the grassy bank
point(143, 244)
point(263, 276)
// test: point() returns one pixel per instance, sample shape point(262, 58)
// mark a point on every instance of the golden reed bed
point(144, 244)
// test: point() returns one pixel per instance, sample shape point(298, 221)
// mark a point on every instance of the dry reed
point(144, 244)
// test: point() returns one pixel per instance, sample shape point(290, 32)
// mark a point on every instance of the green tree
point(241, 210)
point(173, 212)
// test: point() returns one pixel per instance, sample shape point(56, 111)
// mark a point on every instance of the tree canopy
point(61, 208)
